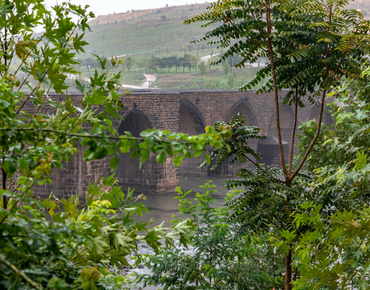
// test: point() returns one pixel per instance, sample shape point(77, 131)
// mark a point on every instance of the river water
point(162, 206)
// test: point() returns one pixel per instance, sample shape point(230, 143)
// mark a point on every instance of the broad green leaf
point(177, 160)
point(114, 163)
point(161, 157)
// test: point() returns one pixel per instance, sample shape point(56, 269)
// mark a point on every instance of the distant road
point(150, 79)
point(154, 50)
point(207, 57)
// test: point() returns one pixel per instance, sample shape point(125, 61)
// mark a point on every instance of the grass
point(213, 79)
point(145, 31)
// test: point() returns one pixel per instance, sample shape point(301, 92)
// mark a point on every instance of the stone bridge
point(187, 111)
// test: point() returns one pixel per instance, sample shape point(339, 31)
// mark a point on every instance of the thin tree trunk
point(288, 270)
point(291, 153)
point(288, 257)
point(5, 200)
point(276, 96)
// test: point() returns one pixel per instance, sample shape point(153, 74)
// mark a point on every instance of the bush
point(220, 259)
point(210, 85)
point(80, 245)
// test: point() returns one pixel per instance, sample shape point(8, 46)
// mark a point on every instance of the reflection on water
point(163, 206)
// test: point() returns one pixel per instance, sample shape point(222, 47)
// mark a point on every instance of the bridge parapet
point(188, 111)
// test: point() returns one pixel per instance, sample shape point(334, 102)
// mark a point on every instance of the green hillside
point(144, 35)
point(157, 33)
point(141, 31)
point(144, 30)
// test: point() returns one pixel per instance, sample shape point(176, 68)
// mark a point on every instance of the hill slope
point(148, 30)
point(144, 30)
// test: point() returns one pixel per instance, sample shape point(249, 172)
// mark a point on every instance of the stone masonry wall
point(163, 110)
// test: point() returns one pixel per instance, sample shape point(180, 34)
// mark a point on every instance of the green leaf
point(12, 167)
point(161, 157)
point(197, 152)
point(118, 258)
point(114, 163)
point(125, 147)
point(23, 164)
point(101, 153)
point(186, 153)
point(96, 130)
point(144, 155)
point(208, 159)
point(177, 160)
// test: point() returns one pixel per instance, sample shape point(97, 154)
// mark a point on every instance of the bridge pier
point(187, 111)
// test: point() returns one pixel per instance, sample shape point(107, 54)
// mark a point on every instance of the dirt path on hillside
point(150, 79)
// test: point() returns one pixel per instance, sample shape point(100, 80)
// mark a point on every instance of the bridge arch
point(286, 123)
point(134, 121)
point(144, 180)
point(191, 119)
point(242, 106)
point(315, 113)
point(269, 147)
point(192, 123)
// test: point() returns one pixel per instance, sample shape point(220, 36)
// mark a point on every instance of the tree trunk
point(5, 200)
point(288, 270)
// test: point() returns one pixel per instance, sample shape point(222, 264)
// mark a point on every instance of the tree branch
point(259, 167)
point(20, 273)
point(314, 139)
point(47, 71)
point(293, 132)
point(276, 96)
point(322, 103)
point(86, 136)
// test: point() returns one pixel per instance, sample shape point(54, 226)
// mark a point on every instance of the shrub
point(220, 259)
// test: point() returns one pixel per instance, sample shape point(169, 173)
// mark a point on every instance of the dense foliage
point(219, 259)
point(67, 244)
point(73, 245)
point(311, 47)
point(311, 217)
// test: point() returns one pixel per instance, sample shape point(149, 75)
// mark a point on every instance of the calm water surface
point(163, 206)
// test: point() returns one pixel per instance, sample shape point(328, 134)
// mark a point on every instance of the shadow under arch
point(286, 123)
point(315, 113)
point(242, 106)
point(130, 124)
point(191, 119)
point(192, 123)
point(144, 180)
point(269, 148)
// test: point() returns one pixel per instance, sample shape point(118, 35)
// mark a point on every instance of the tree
point(163, 18)
point(153, 62)
point(170, 62)
point(309, 50)
point(144, 63)
point(341, 181)
point(161, 63)
point(185, 62)
point(232, 264)
point(65, 244)
point(128, 62)
point(177, 62)
point(226, 67)
point(230, 80)
point(194, 60)
point(89, 63)
point(202, 68)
